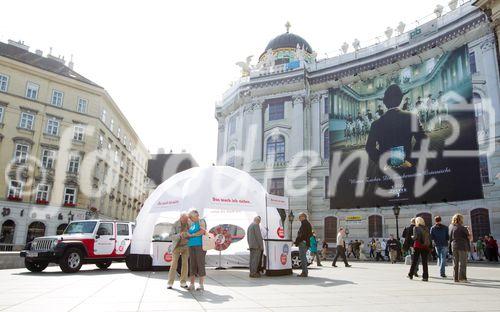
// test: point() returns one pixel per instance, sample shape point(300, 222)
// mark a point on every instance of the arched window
point(275, 149)
point(61, 228)
point(480, 222)
point(326, 144)
point(427, 218)
point(331, 229)
point(375, 226)
point(35, 229)
point(7, 234)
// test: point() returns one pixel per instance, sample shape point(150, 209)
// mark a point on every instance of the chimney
point(55, 58)
point(71, 64)
point(39, 52)
point(20, 44)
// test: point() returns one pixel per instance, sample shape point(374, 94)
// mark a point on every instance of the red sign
point(167, 257)
point(283, 258)
point(281, 232)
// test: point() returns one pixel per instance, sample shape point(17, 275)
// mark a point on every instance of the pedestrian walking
point(256, 246)
point(408, 242)
point(393, 247)
point(178, 235)
point(440, 237)
point(460, 244)
point(378, 251)
point(313, 242)
point(421, 247)
point(196, 252)
point(480, 249)
point(372, 248)
point(340, 248)
point(303, 242)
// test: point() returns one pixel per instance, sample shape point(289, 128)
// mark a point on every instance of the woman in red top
point(421, 246)
point(492, 249)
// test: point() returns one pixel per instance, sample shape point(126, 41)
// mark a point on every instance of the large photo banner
point(408, 137)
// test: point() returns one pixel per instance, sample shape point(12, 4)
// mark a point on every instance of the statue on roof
point(245, 66)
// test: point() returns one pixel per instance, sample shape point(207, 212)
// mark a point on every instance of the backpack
point(426, 237)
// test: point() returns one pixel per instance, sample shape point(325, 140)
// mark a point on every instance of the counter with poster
point(277, 246)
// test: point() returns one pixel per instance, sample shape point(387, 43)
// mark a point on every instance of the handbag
point(208, 242)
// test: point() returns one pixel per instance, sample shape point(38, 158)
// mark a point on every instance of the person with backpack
point(421, 246)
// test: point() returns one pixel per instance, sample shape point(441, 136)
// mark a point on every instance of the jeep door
point(123, 236)
point(105, 239)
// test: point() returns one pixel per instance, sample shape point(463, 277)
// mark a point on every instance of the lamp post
point(291, 217)
point(396, 209)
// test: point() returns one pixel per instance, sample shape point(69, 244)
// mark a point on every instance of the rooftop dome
point(288, 40)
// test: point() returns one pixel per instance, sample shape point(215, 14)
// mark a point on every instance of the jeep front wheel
point(103, 265)
point(35, 266)
point(71, 261)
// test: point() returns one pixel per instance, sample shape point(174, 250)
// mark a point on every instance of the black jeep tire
point(103, 265)
point(35, 266)
point(71, 261)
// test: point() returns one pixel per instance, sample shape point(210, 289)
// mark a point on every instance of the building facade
point(274, 121)
point(67, 151)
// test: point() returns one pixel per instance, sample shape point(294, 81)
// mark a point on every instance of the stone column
point(297, 137)
point(256, 135)
point(316, 124)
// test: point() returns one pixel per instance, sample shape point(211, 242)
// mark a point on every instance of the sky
point(167, 63)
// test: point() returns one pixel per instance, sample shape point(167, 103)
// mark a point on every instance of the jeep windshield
point(80, 227)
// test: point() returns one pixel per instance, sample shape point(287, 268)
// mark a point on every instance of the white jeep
point(88, 241)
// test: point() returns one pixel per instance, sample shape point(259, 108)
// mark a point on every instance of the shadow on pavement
point(81, 272)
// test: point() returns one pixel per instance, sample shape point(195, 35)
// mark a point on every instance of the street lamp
point(396, 209)
point(291, 217)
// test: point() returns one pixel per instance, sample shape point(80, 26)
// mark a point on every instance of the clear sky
point(166, 63)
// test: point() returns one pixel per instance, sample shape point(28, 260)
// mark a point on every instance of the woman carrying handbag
point(196, 251)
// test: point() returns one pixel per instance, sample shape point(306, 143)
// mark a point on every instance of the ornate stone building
point(274, 121)
point(67, 151)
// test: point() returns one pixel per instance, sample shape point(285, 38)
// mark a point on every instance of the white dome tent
point(223, 196)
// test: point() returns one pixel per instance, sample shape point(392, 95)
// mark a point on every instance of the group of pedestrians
point(419, 239)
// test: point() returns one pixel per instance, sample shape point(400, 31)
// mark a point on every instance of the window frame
point(48, 159)
point(274, 187)
point(275, 114)
point(15, 191)
point(79, 105)
point(4, 81)
point(25, 154)
point(2, 113)
point(67, 196)
point(74, 163)
point(39, 191)
point(52, 127)
point(275, 156)
point(30, 88)
point(24, 120)
point(57, 98)
point(79, 132)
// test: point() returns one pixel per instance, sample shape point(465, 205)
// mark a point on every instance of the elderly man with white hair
point(256, 245)
point(179, 234)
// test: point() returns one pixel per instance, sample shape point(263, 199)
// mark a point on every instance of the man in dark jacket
point(394, 131)
point(440, 236)
point(303, 242)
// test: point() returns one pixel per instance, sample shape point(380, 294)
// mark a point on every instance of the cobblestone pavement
point(366, 286)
